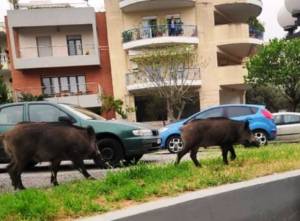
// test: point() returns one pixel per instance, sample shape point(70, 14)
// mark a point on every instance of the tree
point(171, 71)
point(277, 65)
point(111, 104)
point(4, 92)
point(265, 95)
point(15, 3)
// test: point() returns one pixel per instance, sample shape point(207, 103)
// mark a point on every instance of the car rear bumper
point(141, 145)
point(272, 135)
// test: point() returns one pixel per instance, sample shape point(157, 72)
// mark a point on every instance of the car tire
point(174, 144)
point(133, 160)
point(261, 137)
point(111, 151)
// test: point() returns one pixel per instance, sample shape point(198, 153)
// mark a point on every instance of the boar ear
point(90, 130)
point(246, 124)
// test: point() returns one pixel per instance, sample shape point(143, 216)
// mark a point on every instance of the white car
point(288, 126)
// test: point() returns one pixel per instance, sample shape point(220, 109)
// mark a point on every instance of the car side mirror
point(65, 119)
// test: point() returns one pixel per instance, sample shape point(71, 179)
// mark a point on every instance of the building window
point(74, 45)
point(44, 46)
point(59, 86)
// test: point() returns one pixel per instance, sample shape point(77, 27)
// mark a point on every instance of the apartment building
point(218, 28)
point(60, 53)
point(4, 71)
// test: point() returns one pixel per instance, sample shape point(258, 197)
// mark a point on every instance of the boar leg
point(181, 154)
point(11, 175)
point(193, 155)
point(78, 163)
point(15, 172)
point(224, 154)
point(54, 169)
point(100, 162)
point(232, 153)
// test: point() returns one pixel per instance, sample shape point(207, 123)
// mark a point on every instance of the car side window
point(45, 113)
point(12, 115)
point(291, 119)
point(278, 120)
point(238, 111)
point(215, 112)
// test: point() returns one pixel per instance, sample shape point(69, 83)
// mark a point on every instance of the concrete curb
point(186, 197)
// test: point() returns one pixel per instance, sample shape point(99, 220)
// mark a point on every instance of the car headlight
point(163, 129)
point(142, 132)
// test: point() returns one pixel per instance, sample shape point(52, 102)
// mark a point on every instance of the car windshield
point(82, 112)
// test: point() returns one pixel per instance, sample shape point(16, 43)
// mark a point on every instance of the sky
point(268, 16)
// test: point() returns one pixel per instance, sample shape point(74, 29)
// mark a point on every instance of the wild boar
point(221, 132)
point(52, 142)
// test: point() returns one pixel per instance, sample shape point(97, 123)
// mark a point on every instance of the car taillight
point(267, 114)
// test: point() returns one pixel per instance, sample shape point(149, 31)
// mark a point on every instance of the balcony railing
point(185, 77)
point(255, 33)
point(65, 90)
point(155, 31)
point(56, 51)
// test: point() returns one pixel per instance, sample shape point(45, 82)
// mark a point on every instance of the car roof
point(30, 102)
point(236, 105)
point(290, 113)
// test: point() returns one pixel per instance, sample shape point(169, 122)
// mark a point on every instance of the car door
point(9, 117)
point(45, 113)
point(238, 112)
point(288, 128)
point(213, 112)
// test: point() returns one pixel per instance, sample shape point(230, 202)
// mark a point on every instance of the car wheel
point(174, 144)
point(111, 151)
point(261, 137)
point(133, 160)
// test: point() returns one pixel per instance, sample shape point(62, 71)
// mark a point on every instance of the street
point(40, 175)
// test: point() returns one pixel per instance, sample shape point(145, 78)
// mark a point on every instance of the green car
point(117, 140)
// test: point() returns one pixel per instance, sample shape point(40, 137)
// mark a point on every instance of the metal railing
point(65, 90)
point(184, 76)
point(255, 33)
point(155, 31)
point(56, 51)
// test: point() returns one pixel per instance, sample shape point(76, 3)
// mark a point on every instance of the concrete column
point(209, 93)
point(118, 55)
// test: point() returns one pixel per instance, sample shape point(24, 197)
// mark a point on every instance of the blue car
point(260, 119)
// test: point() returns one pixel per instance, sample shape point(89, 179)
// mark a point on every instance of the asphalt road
point(39, 176)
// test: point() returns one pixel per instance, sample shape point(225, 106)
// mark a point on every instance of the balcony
point(26, 27)
point(151, 5)
point(159, 35)
point(235, 11)
point(238, 40)
point(232, 76)
point(138, 81)
point(55, 56)
point(84, 95)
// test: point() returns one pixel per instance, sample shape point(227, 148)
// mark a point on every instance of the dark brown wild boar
point(52, 142)
point(221, 132)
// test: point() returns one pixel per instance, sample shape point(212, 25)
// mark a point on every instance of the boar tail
point(90, 131)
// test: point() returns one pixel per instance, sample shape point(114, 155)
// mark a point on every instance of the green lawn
point(143, 183)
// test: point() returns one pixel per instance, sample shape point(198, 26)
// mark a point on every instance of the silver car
point(288, 126)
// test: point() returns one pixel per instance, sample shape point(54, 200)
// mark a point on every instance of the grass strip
point(144, 182)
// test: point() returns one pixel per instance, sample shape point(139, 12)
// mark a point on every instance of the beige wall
point(213, 77)
point(28, 44)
